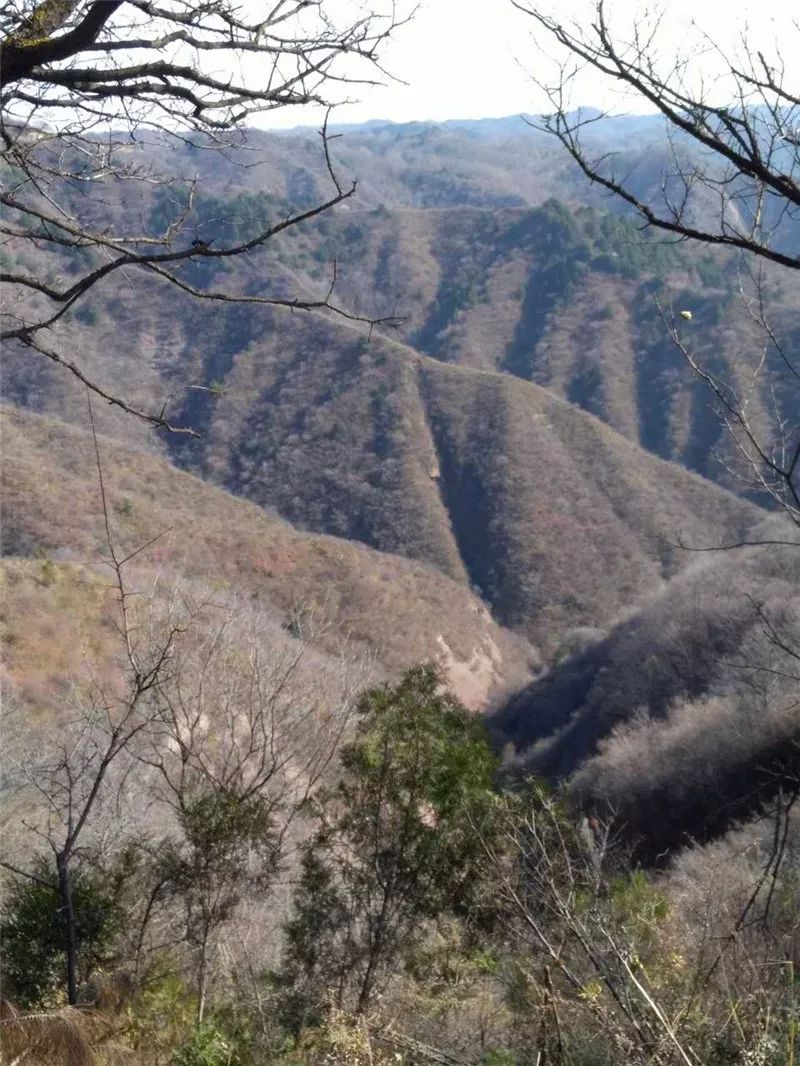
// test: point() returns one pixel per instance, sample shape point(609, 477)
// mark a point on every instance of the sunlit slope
point(398, 609)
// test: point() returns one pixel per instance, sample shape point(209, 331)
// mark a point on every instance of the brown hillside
point(555, 518)
point(565, 297)
point(572, 300)
point(402, 610)
point(684, 717)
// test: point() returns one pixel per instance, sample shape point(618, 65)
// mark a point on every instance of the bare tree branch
point(74, 69)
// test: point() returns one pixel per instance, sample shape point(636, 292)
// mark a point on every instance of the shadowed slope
point(684, 717)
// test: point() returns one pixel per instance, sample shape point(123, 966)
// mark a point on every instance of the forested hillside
point(537, 285)
point(463, 470)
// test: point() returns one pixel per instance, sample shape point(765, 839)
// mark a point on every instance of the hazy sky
point(473, 58)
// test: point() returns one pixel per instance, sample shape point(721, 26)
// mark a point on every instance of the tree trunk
point(365, 994)
point(376, 949)
point(201, 977)
point(70, 932)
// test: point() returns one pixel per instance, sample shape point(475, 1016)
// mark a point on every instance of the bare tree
point(742, 152)
point(248, 725)
point(217, 724)
point(90, 754)
point(242, 713)
point(729, 176)
point(595, 940)
point(765, 457)
point(84, 80)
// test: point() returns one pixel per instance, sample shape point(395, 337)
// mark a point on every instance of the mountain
point(682, 720)
point(555, 519)
point(493, 162)
point(486, 250)
point(496, 426)
point(398, 610)
point(488, 454)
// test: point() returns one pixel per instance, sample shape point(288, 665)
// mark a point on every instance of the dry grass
point(399, 609)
